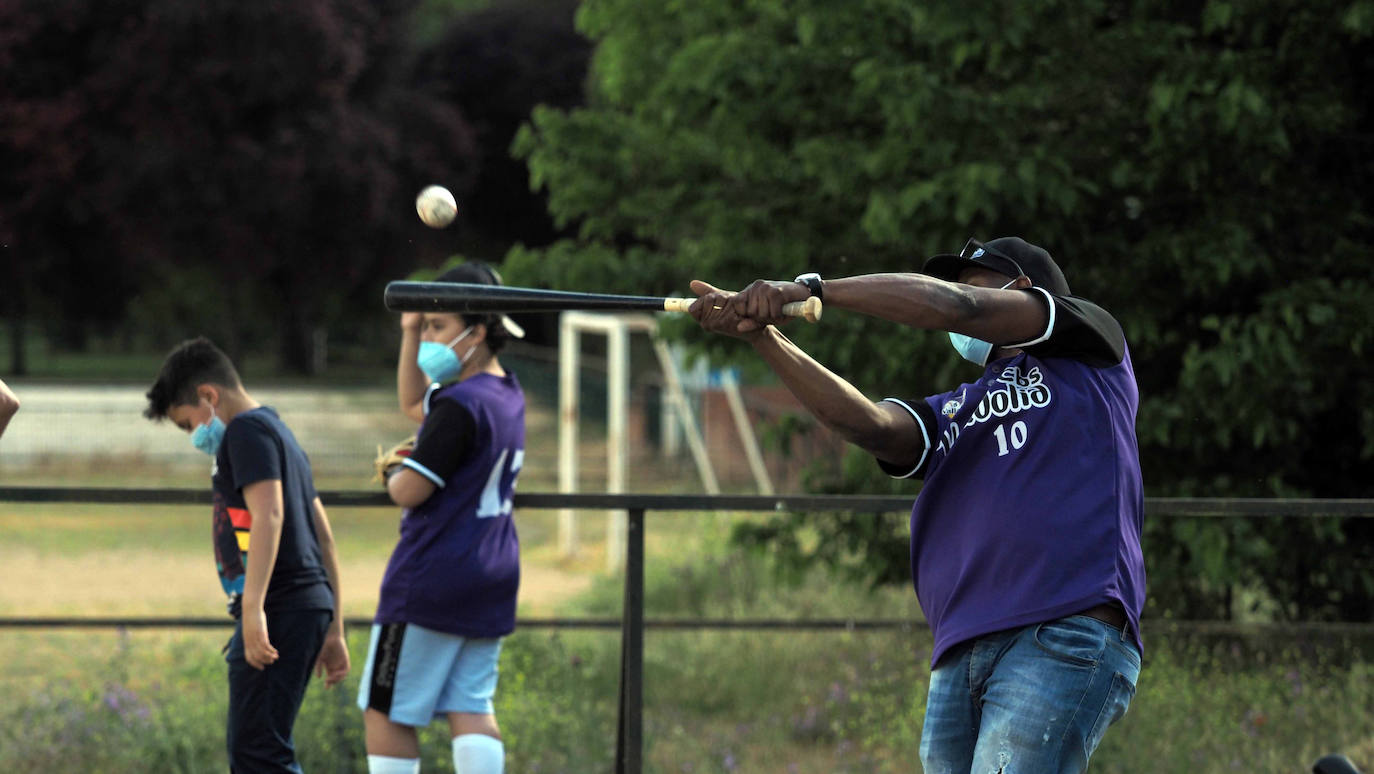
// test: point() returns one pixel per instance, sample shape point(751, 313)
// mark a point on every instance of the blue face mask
point(439, 362)
point(207, 437)
point(975, 351)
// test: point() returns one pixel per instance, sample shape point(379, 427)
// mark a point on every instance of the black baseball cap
point(480, 273)
point(1012, 256)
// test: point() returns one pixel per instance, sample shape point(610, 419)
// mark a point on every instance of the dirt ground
point(147, 583)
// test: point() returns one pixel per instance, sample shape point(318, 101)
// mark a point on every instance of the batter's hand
point(332, 664)
point(761, 303)
point(257, 649)
point(712, 310)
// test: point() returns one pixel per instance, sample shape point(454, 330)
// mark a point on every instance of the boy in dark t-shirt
point(1025, 538)
point(274, 552)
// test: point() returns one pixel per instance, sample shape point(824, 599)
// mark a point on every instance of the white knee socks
point(478, 754)
point(381, 764)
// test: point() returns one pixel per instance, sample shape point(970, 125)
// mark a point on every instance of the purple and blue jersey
point(456, 568)
point(1032, 503)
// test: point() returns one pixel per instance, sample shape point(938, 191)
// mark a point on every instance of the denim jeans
point(1035, 700)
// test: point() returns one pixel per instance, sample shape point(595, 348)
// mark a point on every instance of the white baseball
point(436, 206)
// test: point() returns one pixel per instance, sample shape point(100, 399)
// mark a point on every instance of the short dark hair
point(482, 274)
point(192, 363)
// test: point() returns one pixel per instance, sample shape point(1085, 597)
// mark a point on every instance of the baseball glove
point(388, 461)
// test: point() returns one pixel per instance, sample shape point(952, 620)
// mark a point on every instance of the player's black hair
point(482, 274)
point(192, 363)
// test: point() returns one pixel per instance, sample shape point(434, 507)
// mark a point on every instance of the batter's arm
point(915, 300)
point(884, 429)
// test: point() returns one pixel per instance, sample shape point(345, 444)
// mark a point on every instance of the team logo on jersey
point(953, 405)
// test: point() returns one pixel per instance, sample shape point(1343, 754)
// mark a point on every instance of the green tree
point(1202, 170)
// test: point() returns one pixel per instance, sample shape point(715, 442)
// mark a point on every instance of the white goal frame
point(617, 329)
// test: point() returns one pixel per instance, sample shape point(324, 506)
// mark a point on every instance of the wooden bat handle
point(809, 310)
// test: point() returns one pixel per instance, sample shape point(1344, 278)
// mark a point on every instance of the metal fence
point(632, 623)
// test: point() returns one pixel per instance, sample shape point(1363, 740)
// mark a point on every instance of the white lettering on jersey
point(492, 504)
point(1018, 392)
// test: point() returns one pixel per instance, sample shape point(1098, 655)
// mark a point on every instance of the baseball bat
point(476, 298)
point(1334, 764)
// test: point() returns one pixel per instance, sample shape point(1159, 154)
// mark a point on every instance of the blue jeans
point(1035, 700)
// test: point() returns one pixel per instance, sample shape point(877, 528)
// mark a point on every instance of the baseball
point(436, 206)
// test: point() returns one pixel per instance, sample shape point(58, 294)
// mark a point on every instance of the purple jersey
point(1032, 503)
point(456, 568)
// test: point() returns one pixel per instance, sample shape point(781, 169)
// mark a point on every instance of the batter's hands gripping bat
point(475, 298)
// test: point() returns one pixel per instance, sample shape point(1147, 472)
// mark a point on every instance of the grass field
point(790, 702)
point(787, 702)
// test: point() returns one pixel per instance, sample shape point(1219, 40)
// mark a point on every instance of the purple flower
point(1295, 681)
point(124, 702)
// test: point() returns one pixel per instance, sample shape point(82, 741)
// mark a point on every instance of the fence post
point(629, 738)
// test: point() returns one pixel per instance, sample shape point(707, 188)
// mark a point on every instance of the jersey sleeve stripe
point(925, 437)
point(1049, 328)
point(429, 393)
point(424, 471)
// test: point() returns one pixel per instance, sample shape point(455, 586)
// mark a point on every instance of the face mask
point(208, 436)
point(439, 362)
point(975, 351)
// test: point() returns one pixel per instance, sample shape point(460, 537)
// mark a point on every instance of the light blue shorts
point(414, 674)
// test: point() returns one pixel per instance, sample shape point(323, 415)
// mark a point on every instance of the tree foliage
point(245, 169)
point(1201, 170)
point(495, 64)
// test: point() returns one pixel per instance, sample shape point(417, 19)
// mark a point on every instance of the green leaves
point(1204, 176)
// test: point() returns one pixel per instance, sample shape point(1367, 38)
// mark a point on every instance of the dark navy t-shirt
point(1032, 503)
point(257, 447)
point(456, 568)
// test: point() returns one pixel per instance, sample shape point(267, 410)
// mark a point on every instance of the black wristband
point(812, 281)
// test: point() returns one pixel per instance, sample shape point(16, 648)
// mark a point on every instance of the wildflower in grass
point(1295, 681)
point(809, 725)
point(124, 702)
point(1254, 721)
